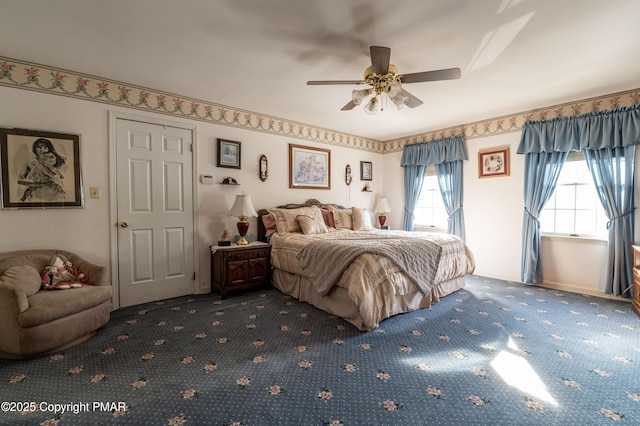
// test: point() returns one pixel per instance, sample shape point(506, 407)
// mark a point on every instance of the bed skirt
point(337, 301)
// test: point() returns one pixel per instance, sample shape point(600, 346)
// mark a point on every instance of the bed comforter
point(372, 280)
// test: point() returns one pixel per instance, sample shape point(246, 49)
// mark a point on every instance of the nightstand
point(635, 301)
point(240, 267)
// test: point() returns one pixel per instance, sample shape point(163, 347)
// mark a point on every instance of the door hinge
point(194, 276)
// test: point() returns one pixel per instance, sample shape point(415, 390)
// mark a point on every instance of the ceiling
point(515, 55)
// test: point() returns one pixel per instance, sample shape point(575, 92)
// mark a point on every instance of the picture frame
point(493, 162)
point(40, 169)
point(309, 168)
point(229, 154)
point(366, 170)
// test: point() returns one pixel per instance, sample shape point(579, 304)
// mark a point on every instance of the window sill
point(427, 228)
point(586, 239)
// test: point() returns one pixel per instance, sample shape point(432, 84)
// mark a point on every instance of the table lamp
point(382, 207)
point(242, 208)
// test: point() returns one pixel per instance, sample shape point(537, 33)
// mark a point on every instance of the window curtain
point(451, 187)
point(541, 172)
point(605, 138)
point(415, 158)
point(612, 171)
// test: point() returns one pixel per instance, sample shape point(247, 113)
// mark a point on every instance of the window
point(574, 208)
point(430, 211)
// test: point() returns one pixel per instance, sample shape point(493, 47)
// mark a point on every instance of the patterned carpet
point(494, 353)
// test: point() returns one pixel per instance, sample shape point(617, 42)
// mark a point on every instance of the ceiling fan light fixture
point(394, 89)
point(371, 107)
point(399, 100)
point(359, 95)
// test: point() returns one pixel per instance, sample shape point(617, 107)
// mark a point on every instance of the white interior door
point(155, 212)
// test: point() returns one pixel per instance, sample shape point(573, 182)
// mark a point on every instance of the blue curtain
point(416, 157)
point(605, 138)
point(451, 187)
point(541, 171)
point(612, 171)
point(413, 179)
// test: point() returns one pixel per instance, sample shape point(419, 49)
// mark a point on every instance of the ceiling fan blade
point(348, 106)
point(411, 101)
point(446, 74)
point(380, 57)
point(327, 82)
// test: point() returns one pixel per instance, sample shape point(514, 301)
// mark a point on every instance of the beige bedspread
point(376, 286)
point(416, 257)
point(455, 258)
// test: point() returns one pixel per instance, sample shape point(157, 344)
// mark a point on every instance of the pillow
point(361, 219)
point(312, 224)
point(328, 217)
point(269, 221)
point(24, 277)
point(342, 218)
point(286, 218)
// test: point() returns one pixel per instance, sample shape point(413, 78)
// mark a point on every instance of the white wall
point(87, 231)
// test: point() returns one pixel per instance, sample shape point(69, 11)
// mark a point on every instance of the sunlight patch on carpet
point(518, 373)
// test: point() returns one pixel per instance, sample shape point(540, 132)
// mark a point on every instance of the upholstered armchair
point(35, 321)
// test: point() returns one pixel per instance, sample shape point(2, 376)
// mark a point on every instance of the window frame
point(430, 171)
point(574, 156)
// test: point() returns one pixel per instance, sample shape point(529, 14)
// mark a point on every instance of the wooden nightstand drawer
point(240, 267)
point(235, 256)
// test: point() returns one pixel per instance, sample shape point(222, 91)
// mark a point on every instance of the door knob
point(124, 224)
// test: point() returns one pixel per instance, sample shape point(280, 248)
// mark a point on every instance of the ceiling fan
point(384, 79)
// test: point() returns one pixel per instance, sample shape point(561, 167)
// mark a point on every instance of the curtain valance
point(439, 151)
point(597, 130)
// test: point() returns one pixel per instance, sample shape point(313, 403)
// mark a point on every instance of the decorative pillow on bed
point(328, 217)
point(286, 218)
point(342, 217)
point(269, 221)
point(312, 224)
point(361, 219)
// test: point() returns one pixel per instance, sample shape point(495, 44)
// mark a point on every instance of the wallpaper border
point(42, 78)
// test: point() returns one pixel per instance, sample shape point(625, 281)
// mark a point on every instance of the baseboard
point(559, 286)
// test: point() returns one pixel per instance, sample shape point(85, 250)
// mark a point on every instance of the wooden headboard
point(310, 202)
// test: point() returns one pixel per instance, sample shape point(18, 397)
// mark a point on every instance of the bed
point(332, 258)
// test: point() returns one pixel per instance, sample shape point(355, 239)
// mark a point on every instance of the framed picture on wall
point(309, 168)
point(493, 162)
point(40, 169)
point(229, 154)
point(366, 170)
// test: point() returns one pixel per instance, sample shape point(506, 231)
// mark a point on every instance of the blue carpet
point(494, 353)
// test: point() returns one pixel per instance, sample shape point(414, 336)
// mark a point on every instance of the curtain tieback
point(627, 213)
point(534, 217)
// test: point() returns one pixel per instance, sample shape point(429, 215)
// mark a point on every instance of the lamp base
point(243, 227)
point(382, 219)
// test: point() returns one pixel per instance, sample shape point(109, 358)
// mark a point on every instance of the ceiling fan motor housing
point(381, 82)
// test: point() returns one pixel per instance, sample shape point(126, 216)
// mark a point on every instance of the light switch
point(94, 192)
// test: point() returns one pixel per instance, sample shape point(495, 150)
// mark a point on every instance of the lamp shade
point(242, 207)
point(383, 206)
